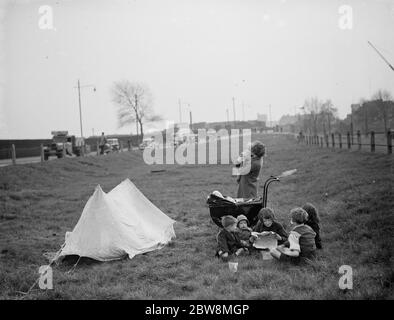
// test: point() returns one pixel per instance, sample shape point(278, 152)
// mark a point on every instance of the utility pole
point(366, 119)
point(136, 113)
point(80, 108)
point(191, 120)
point(234, 111)
point(180, 110)
point(351, 123)
point(304, 119)
point(79, 102)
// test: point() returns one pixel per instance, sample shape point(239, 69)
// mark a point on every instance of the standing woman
point(247, 179)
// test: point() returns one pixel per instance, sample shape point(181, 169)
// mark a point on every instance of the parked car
point(145, 143)
point(114, 144)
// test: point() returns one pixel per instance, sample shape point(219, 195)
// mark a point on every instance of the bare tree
point(383, 98)
point(313, 107)
point(328, 114)
point(134, 101)
point(364, 107)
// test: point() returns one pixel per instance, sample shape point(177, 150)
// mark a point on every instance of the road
point(8, 162)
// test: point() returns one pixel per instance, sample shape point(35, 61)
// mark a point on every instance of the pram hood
point(214, 200)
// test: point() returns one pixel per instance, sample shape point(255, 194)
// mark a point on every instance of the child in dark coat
point(313, 221)
point(267, 223)
point(228, 239)
point(244, 232)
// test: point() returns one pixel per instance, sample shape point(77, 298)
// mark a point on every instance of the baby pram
point(222, 206)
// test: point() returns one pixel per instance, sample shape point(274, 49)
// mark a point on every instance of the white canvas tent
point(122, 222)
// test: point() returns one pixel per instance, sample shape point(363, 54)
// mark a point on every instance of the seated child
point(301, 241)
point(228, 239)
point(244, 232)
point(313, 222)
point(267, 223)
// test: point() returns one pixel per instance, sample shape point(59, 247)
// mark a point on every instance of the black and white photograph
point(216, 152)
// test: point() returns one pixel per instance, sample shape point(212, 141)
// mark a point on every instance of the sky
point(202, 53)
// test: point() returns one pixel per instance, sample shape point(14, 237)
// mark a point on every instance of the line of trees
point(134, 103)
point(321, 117)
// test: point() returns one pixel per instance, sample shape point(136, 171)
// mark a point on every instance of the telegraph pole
point(136, 113)
point(351, 123)
point(234, 110)
point(180, 110)
point(79, 87)
point(80, 107)
point(366, 119)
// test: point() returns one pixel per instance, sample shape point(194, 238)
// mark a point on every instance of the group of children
point(300, 243)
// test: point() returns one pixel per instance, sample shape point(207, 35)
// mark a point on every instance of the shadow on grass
point(84, 262)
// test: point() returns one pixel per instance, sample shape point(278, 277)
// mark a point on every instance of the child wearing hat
point(245, 233)
point(268, 224)
point(228, 239)
point(301, 241)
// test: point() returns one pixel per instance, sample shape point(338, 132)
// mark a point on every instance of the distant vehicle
point(107, 148)
point(114, 144)
point(145, 143)
point(186, 138)
point(63, 144)
point(177, 140)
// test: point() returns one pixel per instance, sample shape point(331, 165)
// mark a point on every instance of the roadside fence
point(372, 140)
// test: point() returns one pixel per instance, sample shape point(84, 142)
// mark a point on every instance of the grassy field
point(352, 190)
